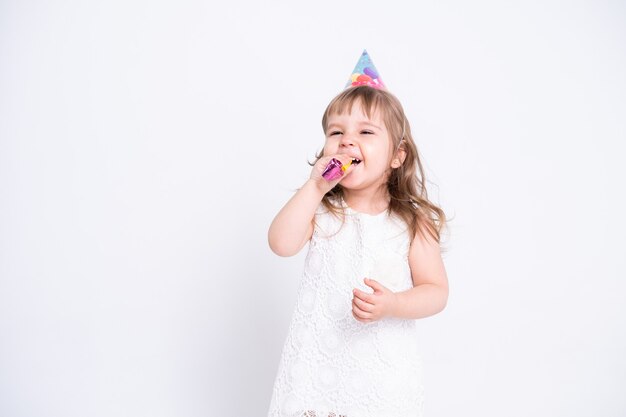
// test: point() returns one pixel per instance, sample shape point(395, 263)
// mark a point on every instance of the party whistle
point(335, 169)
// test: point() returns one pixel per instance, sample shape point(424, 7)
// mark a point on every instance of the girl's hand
point(367, 308)
point(318, 169)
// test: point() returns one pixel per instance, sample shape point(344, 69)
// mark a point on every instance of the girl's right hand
point(316, 173)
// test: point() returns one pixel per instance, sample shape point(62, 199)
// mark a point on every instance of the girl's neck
point(366, 201)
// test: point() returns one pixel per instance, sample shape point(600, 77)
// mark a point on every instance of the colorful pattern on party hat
point(365, 73)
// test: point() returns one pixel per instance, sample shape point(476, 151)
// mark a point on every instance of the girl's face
point(364, 138)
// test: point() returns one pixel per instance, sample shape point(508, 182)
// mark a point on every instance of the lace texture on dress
point(333, 365)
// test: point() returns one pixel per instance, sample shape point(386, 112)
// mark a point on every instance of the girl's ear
point(399, 157)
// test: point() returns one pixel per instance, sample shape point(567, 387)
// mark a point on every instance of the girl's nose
point(347, 140)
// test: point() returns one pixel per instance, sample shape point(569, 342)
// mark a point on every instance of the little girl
point(373, 265)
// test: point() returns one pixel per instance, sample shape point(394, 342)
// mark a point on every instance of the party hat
point(365, 73)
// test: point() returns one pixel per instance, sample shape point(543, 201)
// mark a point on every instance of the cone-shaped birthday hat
point(365, 73)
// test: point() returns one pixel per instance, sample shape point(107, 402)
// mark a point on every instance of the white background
point(146, 146)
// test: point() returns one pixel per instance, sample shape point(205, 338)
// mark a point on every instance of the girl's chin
point(349, 182)
point(354, 172)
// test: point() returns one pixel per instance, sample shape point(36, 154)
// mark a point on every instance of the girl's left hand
point(367, 308)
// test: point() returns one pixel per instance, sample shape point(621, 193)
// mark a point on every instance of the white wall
point(146, 146)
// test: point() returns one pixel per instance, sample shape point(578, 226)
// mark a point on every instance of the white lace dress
point(332, 364)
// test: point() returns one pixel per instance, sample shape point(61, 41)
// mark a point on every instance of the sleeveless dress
point(332, 364)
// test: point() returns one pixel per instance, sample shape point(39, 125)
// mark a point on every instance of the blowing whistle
point(335, 169)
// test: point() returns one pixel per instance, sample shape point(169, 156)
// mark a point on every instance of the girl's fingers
point(360, 313)
point(373, 284)
point(368, 298)
point(363, 305)
point(360, 316)
point(361, 320)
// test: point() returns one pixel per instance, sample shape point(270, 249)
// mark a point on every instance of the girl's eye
point(334, 133)
point(367, 132)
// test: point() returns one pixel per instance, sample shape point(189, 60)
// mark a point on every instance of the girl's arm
point(430, 292)
point(293, 225)
point(428, 296)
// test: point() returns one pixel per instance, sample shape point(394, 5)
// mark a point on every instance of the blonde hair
point(406, 184)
